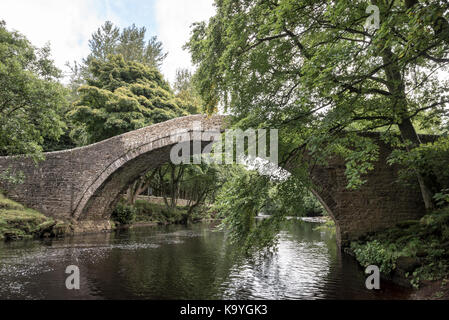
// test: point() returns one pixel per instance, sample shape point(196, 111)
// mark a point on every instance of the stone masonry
point(84, 184)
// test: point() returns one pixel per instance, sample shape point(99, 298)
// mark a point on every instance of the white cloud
point(174, 18)
point(67, 25)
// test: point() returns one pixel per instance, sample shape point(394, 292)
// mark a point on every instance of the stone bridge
point(84, 184)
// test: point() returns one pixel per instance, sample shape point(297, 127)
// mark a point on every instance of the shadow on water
point(178, 262)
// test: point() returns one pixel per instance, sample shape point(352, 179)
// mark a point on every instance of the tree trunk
point(408, 133)
point(396, 87)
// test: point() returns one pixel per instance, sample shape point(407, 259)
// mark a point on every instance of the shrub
point(376, 253)
point(124, 214)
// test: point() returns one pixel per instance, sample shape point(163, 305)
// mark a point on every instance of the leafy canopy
point(30, 96)
point(311, 69)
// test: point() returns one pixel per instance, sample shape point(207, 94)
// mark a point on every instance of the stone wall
point(160, 200)
point(380, 203)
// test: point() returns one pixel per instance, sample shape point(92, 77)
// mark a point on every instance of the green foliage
point(442, 198)
point(246, 193)
point(186, 92)
point(322, 77)
point(328, 226)
point(311, 206)
point(426, 240)
point(376, 253)
point(121, 96)
point(431, 160)
point(30, 96)
point(291, 197)
point(12, 177)
point(109, 40)
point(158, 213)
point(124, 213)
point(239, 205)
point(153, 212)
point(360, 153)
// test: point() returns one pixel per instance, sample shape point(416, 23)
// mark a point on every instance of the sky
point(69, 24)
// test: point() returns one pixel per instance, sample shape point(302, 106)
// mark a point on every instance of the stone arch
point(99, 199)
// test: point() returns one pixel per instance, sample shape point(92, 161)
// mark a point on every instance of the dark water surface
point(178, 262)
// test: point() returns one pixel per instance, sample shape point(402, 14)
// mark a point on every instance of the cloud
point(174, 18)
point(67, 25)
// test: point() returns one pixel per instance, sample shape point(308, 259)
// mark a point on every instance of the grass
point(19, 222)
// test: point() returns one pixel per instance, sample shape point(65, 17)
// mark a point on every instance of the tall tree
point(312, 67)
point(185, 90)
point(104, 41)
point(30, 96)
point(129, 42)
point(122, 96)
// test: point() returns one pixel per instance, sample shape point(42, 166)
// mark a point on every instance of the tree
point(104, 41)
point(129, 42)
point(311, 67)
point(110, 40)
point(243, 195)
point(141, 185)
point(200, 184)
point(30, 96)
point(122, 96)
point(185, 91)
point(189, 100)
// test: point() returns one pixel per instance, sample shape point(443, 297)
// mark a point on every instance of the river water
point(178, 262)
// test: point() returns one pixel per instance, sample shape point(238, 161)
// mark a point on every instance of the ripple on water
point(180, 263)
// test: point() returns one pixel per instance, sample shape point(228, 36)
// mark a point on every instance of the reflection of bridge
point(85, 183)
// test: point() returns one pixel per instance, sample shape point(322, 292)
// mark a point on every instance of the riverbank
point(150, 212)
point(414, 253)
point(18, 222)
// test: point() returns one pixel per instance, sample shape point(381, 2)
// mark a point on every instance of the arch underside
point(103, 201)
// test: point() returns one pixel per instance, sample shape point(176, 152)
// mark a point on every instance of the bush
point(124, 214)
point(426, 240)
point(376, 253)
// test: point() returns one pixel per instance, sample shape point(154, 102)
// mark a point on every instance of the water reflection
point(178, 262)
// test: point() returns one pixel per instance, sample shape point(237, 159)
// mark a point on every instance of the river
point(179, 262)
